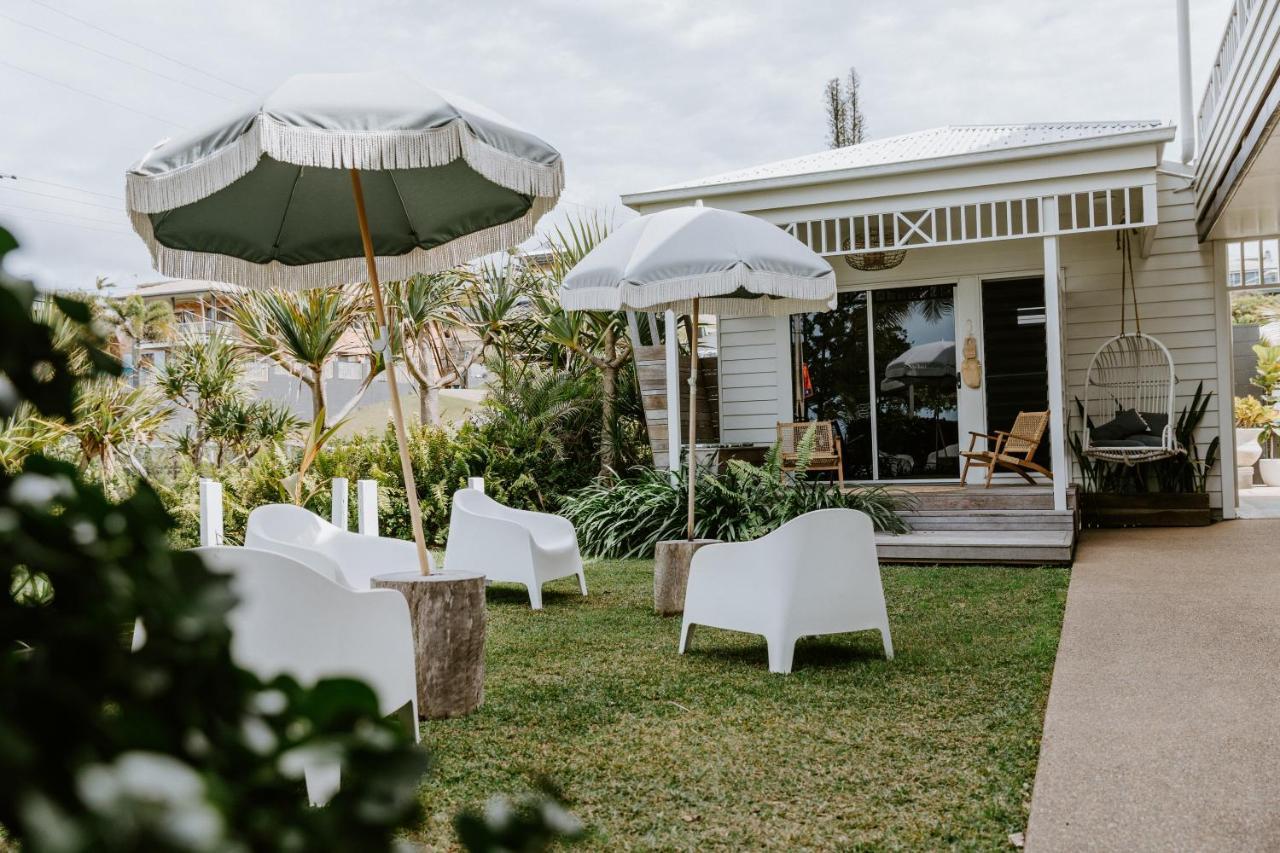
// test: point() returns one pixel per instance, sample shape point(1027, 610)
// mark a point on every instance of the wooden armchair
point(826, 454)
point(1012, 450)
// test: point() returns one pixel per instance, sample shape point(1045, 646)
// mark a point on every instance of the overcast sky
point(635, 94)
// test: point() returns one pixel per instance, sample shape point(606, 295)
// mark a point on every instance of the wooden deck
point(1006, 524)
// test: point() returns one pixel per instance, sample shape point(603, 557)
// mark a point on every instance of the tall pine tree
point(845, 123)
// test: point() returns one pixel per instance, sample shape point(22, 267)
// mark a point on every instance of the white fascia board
point(667, 197)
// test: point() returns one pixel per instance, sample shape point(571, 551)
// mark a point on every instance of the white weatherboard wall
point(1175, 296)
point(755, 378)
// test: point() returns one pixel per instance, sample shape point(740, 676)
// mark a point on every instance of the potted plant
point(1253, 418)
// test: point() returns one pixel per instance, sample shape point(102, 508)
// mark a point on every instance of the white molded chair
point(349, 558)
point(513, 545)
point(291, 619)
point(816, 574)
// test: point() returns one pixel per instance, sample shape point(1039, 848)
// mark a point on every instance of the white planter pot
point(1270, 471)
point(1248, 451)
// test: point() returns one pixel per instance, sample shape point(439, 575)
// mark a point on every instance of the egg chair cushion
point(1125, 424)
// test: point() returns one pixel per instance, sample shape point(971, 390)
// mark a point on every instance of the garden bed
point(1149, 510)
point(934, 749)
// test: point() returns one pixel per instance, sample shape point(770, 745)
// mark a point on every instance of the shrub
point(629, 517)
point(170, 746)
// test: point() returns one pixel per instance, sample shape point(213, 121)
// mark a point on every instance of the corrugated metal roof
point(183, 286)
point(922, 145)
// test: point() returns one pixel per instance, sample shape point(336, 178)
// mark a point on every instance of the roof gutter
point(1156, 135)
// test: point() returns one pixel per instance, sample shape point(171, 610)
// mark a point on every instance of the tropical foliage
point(204, 375)
point(302, 331)
point(628, 518)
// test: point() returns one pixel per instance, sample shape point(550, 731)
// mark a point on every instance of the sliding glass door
point(882, 366)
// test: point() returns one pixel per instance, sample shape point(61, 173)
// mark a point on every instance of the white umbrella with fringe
point(692, 259)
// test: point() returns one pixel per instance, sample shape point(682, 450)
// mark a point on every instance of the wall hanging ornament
point(971, 367)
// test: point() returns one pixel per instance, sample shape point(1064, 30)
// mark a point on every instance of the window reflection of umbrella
point(922, 363)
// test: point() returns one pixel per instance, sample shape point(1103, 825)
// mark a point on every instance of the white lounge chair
point(816, 574)
point(349, 558)
point(291, 619)
point(512, 545)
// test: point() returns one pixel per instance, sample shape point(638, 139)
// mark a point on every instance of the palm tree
point(434, 308)
point(202, 374)
point(599, 337)
point(133, 321)
point(300, 331)
point(112, 420)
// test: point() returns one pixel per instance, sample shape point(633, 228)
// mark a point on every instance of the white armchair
point(349, 558)
point(816, 574)
point(512, 545)
point(291, 619)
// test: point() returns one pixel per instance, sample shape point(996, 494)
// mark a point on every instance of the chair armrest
point(385, 651)
point(981, 435)
point(362, 557)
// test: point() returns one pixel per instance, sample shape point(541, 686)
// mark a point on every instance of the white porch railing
point(1224, 64)
point(980, 222)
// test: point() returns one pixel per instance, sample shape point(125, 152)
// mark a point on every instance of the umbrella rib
point(288, 205)
point(404, 208)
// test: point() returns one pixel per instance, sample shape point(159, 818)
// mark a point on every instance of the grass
point(933, 750)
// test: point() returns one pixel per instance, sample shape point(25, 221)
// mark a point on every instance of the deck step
point(997, 519)
point(1015, 547)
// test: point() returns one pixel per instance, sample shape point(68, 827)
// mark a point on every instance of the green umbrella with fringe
point(338, 178)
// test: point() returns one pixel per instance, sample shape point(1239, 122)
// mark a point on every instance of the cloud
point(635, 93)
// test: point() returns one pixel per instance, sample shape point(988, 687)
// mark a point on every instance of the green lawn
point(935, 749)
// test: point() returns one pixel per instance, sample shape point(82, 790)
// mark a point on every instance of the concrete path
point(1163, 725)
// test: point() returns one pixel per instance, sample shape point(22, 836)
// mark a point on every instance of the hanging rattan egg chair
point(1129, 390)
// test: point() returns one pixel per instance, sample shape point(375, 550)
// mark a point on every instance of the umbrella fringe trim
point(206, 266)
point(328, 149)
point(791, 294)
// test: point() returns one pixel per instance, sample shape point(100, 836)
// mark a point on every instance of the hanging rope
point(1127, 280)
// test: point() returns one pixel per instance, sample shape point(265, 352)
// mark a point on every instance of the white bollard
point(476, 483)
point(367, 507)
point(211, 529)
point(338, 512)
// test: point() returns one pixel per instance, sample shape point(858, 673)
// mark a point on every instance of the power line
point(48, 212)
point(118, 37)
point(92, 95)
point(130, 63)
point(71, 225)
point(71, 187)
point(116, 208)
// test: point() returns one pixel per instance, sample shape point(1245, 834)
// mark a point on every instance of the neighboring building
point(203, 308)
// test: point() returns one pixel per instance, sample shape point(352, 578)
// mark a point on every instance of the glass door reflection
point(916, 423)
point(882, 367)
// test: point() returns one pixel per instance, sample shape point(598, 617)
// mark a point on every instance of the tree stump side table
point(447, 613)
point(671, 573)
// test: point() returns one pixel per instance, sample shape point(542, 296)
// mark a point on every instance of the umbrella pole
point(397, 415)
point(693, 410)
